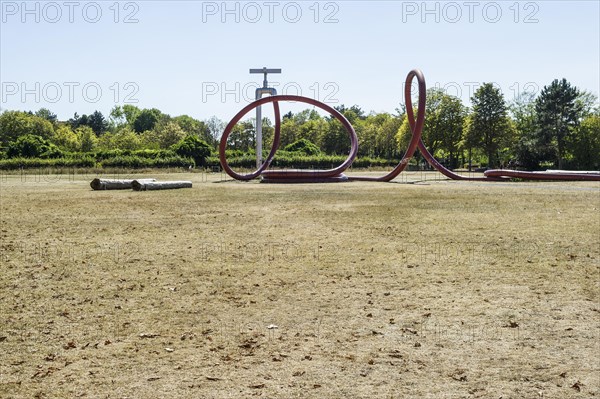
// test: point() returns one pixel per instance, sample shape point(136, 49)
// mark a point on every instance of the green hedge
point(30, 163)
point(86, 161)
point(295, 161)
point(166, 159)
point(108, 154)
point(134, 161)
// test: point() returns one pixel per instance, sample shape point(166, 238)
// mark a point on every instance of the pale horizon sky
point(192, 57)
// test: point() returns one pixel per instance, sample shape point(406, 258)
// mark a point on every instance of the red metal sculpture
point(336, 174)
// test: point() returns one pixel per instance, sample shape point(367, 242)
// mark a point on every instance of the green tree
point(306, 124)
point(312, 127)
point(290, 132)
point(194, 127)
point(489, 125)
point(303, 146)
point(127, 139)
point(66, 139)
point(87, 138)
point(123, 139)
point(443, 126)
point(215, 127)
point(168, 133)
point(48, 115)
point(557, 116)
point(523, 113)
point(528, 151)
point(97, 122)
point(444, 123)
point(146, 120)
point(470, 141)
point(335, 139)
point(587, 104)
point(242, 136)
point(586, 144)
point(431, 134)
point(351, 113)
point(453, 133)
point(14, 124)
point(116, 118)
point(32, 146)
point(377, 135)
point(121, 115)
point(193, 146)
point(403, 136)
point(268, 135)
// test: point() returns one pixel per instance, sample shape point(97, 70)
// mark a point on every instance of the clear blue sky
point(180, 56)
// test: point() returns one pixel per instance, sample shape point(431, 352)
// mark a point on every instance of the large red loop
point(287, 174)
point(227, 132)
point(416, 126)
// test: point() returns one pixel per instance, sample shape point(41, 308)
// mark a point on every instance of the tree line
point(558, 128)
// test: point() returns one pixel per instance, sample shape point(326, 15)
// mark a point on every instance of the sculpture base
point(292, 180)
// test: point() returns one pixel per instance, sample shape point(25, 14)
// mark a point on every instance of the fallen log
point(142, 185)
point(114, 184)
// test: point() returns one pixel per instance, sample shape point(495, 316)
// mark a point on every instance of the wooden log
point(114, 184)
point(141, 185)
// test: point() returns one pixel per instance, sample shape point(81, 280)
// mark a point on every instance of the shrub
point(32, 146)
point(192, 146)
point(134, 161)
point(14, 124)
point(87, 138)
point(106, 154)
point(284, 159)
point(28, 163)
point(303, 146)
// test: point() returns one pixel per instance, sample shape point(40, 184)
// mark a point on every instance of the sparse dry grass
point(430, 290)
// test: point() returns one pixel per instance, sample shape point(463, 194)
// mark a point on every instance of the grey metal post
point(259, 93)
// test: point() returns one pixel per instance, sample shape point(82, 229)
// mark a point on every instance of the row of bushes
point(111, 154)
point(97, 155)
point(292, 161)
point(36, 147)
point(32, 163)
point(31, 151)
point(87, 161)
point(295, 161)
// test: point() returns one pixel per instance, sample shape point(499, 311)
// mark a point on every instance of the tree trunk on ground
point(140, 185)
point(114, 184)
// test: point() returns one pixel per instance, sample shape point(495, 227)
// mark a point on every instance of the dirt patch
point(353, 290)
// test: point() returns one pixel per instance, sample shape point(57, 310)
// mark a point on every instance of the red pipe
point(227, 132)
point(520, 174)
point(305, 175)
point(416, 141)
point(415, 126)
